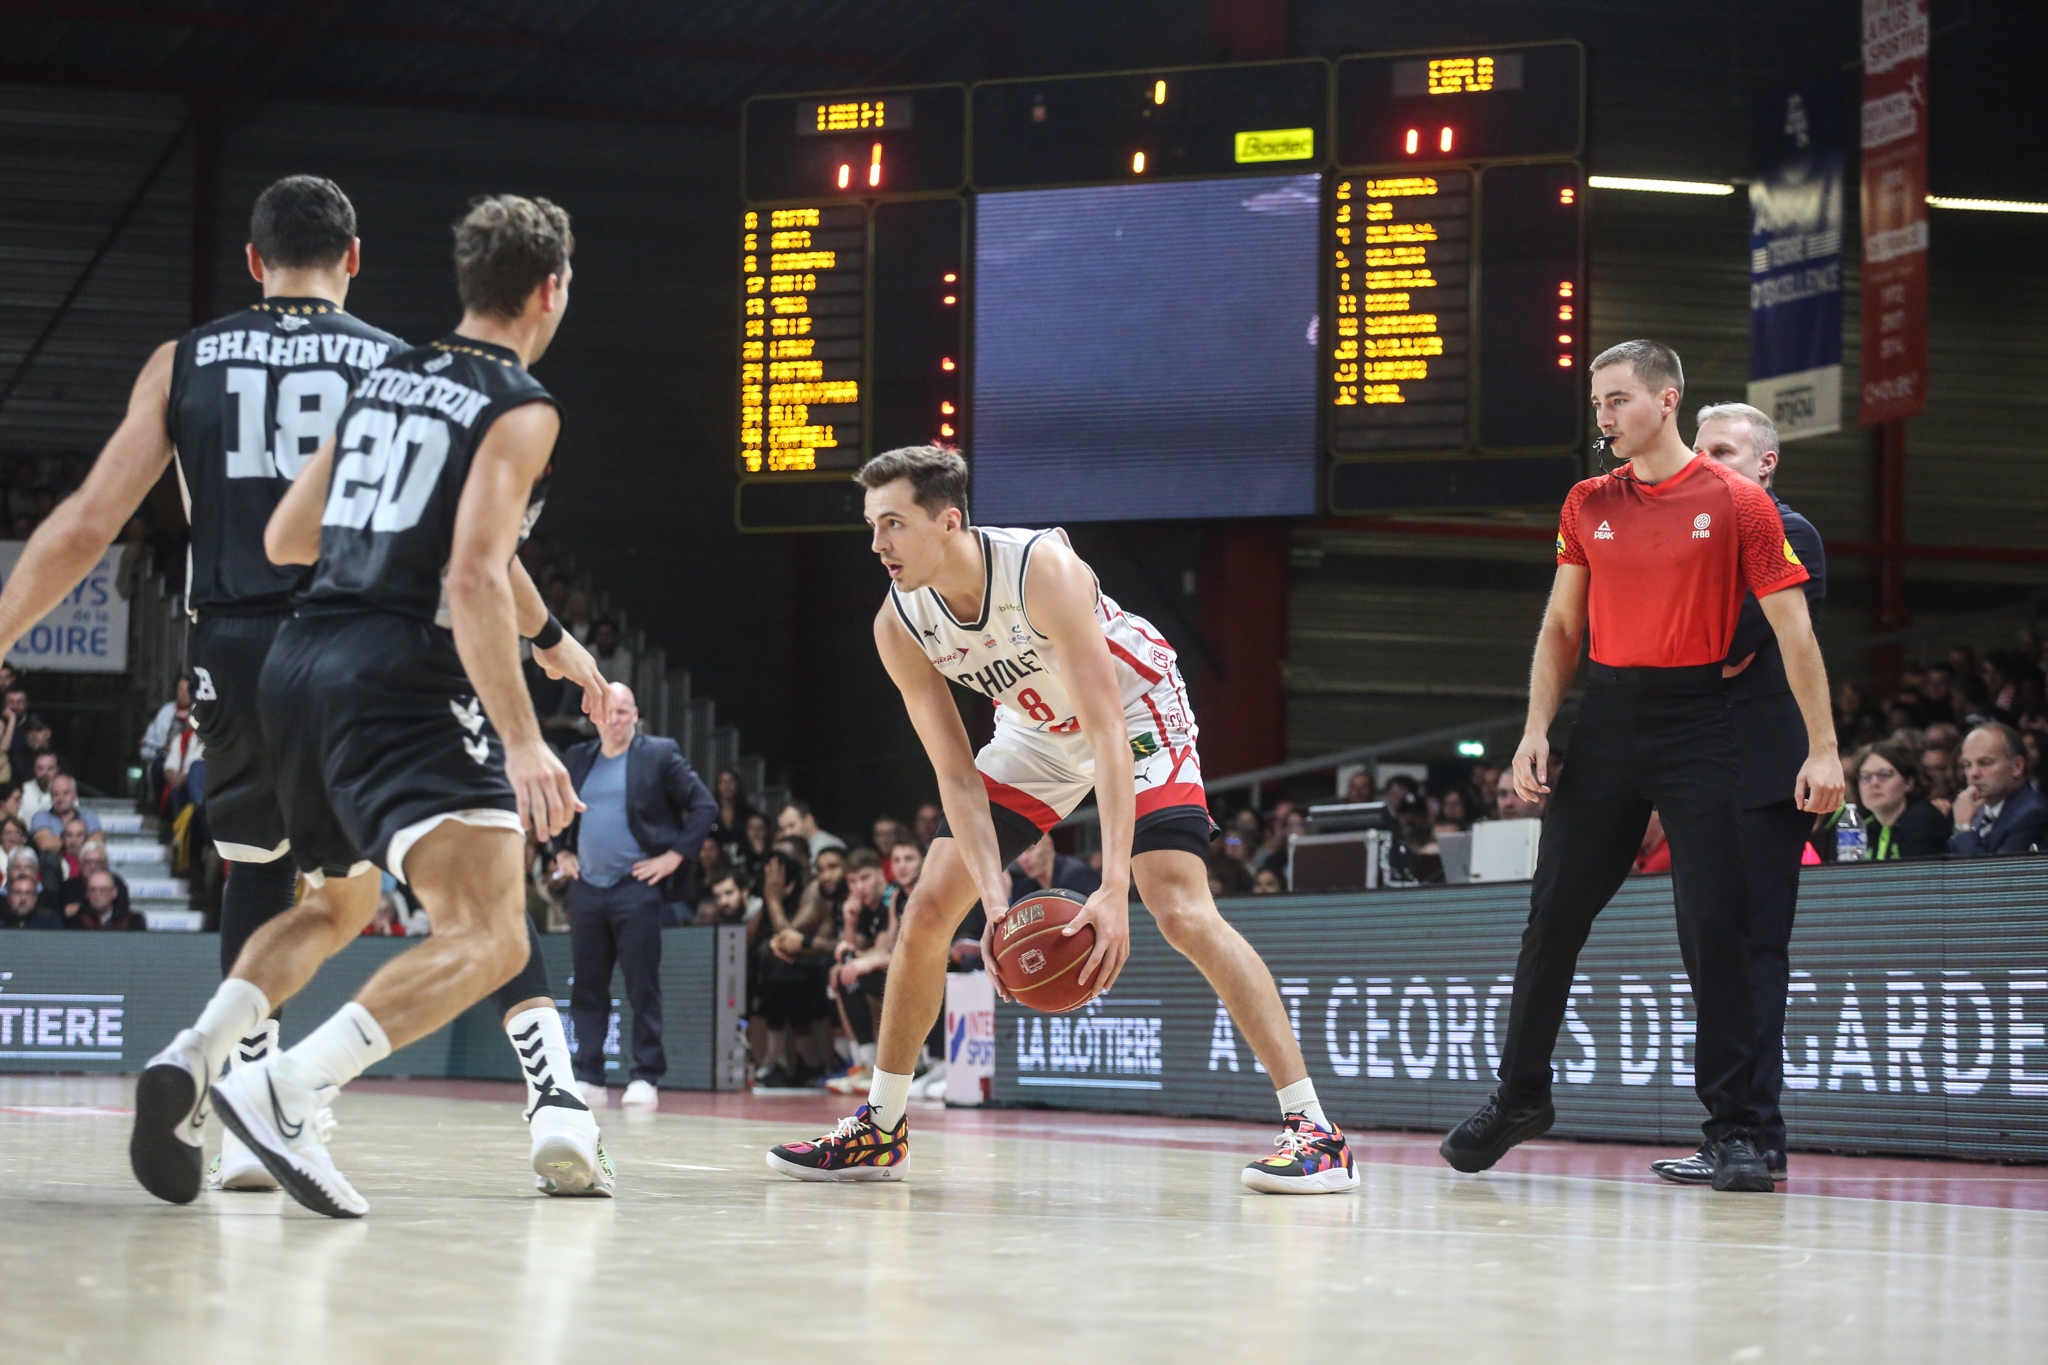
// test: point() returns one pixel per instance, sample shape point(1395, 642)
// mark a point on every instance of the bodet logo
point(38, 1024)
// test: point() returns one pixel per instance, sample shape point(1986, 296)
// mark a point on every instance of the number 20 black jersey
point(253, 396)
point(406, 442)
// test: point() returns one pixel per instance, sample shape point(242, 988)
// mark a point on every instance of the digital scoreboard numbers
point(1481, 104)
point(1400, 346)
point(803, 273)
point(856, 144)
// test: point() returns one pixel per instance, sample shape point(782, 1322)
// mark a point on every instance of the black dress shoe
point(1738, 1166)
point(1697, 1169)
point(1485, 1138)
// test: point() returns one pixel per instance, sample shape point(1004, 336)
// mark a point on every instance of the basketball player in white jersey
point(1087, 696)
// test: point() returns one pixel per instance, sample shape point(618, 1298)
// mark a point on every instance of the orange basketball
point(1035, 962)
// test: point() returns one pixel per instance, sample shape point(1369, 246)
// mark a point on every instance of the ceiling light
point(1622, 182)
point(1942, 201)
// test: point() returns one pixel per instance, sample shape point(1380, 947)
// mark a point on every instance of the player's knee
point(923, 922)
point(1185, 919)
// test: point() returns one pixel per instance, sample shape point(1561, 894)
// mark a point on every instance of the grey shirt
point(605, 846)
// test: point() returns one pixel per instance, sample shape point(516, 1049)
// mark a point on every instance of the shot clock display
point(1249, 290)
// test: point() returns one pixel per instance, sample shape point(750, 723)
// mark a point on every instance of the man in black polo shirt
point(1771, 740)
point(1655, 558)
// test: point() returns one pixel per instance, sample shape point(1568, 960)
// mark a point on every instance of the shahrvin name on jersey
point(263, 348)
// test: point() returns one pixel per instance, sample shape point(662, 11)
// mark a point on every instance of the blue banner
point(1795, 268)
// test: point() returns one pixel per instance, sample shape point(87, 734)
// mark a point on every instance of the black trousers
point(863, 1004)
point(616, 926)
point(1665, 740)
point(1771, 839)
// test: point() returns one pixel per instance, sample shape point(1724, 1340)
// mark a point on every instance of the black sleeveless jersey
point(253, 396)
point(408, 436)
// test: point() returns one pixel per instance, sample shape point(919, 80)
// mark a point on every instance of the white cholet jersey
point(1007, 659)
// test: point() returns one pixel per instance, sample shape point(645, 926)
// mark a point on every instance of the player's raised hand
point(1109, 915)
point(567, 658)
point(547, 799)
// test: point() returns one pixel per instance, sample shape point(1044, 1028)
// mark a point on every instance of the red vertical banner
point(1894, 210)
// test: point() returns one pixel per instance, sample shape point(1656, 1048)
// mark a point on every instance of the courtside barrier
point(106, 1003)
point(1917, 1020)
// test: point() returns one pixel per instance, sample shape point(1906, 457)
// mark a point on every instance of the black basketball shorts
point(376, 737)
point(1183, 829)
point(225, 656)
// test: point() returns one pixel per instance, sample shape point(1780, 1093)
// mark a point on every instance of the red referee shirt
point(1671, 562)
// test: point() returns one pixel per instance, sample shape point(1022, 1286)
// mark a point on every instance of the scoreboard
point(1260, 289)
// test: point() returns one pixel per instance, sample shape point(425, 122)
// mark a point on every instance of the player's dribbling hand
point(1821, 784)
point(1109, 914)
point(1532, 762)
point(569, 659)
point(547, 799)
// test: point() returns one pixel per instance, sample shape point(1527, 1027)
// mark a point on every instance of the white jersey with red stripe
point(1039, 764)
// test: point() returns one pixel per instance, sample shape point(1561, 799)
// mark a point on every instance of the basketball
point(1037, 964)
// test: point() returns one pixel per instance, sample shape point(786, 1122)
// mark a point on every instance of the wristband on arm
point(548, 636)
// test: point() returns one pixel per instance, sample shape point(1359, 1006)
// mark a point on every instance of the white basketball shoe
point(287, 1126)
point(235, 1167)
point(164, 1148)
point(568, 1156)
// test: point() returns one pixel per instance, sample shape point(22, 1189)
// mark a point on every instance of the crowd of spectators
point(57, 872)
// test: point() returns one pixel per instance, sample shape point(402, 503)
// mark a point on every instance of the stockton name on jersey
point(253, 396)
point(1005, 658)
point(408, 436)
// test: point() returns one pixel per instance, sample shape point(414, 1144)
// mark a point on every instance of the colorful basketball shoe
point(855, 1150)
point(1309, 1160)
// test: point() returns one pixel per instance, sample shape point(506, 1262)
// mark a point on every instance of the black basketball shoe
point(1486, 1137)
point(1739, 1167)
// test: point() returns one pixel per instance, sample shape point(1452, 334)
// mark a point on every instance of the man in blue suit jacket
point(1999, 812)
point(646, 815)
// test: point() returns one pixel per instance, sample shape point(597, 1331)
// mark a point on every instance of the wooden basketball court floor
point(1019, 1236)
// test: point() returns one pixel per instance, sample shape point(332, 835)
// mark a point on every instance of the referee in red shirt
point(1657, 557)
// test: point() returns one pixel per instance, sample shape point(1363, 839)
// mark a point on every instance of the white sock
point(255, 1046)
point(1300, 1098)
point(543, 1049)
point(237, 1010)
point(338, 1051)
point(888, 1098)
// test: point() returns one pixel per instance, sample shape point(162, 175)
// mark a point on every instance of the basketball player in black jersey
point(392, 700)
point(241, 404)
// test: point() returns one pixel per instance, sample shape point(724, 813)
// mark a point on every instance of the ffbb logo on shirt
point(1702, 527)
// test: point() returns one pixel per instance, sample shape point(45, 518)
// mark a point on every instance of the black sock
point(255, 894)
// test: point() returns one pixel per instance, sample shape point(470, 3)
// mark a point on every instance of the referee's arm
point(1551, 672)
point(1820, 782)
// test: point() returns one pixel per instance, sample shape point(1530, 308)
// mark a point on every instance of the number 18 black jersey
point(407, 439)
point(253, 396)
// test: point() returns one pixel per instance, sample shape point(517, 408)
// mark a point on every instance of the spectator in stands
point(1041, 868)
point(25, 910)
point(860, 964)
point(926, 826)
point(1267, 883)
point(751, 852)
point(733, 811)
point(1359, 787)
point(1452, 815)
point(613, 657)
point(577, 614)
point(17, 730)
point(72, 850)
point(646, 816)
point(10, 801)
point(13, 835)
point(791, 969)
point(728, 902)
point(1998, 812)
point(1939, 778)
point(796, 818)
point(1508, 804)
point(1889, 784)
point(40, 869)
point(91, 858)
point(905, 866)
point(827, 891)
point(63, 808)
point(884, 834)
point(172, 716)
point(1228, 876)
point(797, 847)
point(103, 907)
